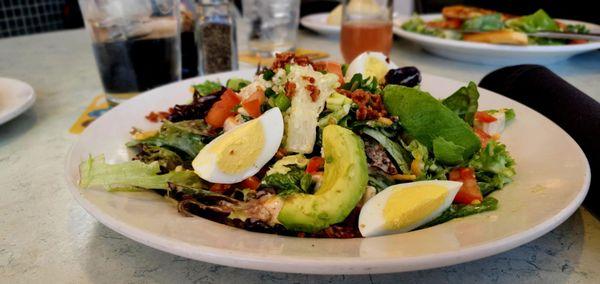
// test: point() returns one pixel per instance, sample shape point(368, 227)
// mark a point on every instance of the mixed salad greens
point(345, 138)
point(481, 25)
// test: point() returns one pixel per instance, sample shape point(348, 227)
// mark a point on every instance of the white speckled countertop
point(46, 237)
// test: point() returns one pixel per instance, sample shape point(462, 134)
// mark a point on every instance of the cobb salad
point(319, 149)
point(487, 26)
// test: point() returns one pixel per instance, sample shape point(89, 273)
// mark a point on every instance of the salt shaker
point(216, 36)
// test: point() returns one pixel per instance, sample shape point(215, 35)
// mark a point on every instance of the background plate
point(552, 179)
point(15, 98)
point(485, 53)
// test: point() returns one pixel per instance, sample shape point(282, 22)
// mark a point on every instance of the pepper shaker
point(216, 36)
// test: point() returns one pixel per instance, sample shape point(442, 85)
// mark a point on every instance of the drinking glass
point(366, 26)
point(273, 25)
point(136, 44)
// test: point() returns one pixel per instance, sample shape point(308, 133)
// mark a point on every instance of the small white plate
point(552, 179)
point(318, 23)
point(15, 98)
point(495, 54)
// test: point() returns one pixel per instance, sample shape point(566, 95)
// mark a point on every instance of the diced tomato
point(484, 117)
point(469, 191)
point(330, 67)
point(483, 136)
point(251, 183)
point(446, 24)
point(220, 188)
point(315, 164)
point(578, 41)
point(253, 102)
point(222, 109)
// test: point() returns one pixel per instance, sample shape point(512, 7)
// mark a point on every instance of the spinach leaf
point(464, 102)
point(399, 154)
point(447, 152)
point(460, 210)
point(294, 181)
point(484, 23)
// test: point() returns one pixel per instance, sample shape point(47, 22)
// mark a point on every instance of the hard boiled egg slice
point(404, 207)
point(242, 151)
point(370, 64)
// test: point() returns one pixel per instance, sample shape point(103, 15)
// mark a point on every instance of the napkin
point(575, 112)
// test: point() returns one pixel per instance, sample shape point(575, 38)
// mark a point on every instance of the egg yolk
point(239, 149)
point(411, 205)
point(375, 67)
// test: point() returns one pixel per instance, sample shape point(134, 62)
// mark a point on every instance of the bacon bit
point(370, 106)
point(281, 152)
point(314, 92)
point(157, 116)
point(290, 89)
point(309, 79)
point(320, 66)
point(281, 59)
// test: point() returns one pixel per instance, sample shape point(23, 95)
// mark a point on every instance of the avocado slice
point(344, 183)
point(428, 121)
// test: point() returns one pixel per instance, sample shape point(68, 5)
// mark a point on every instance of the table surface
point(46, 237)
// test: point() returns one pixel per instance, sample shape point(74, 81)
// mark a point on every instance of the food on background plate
point(317, 149)
point(335, 16)
point(487, 26)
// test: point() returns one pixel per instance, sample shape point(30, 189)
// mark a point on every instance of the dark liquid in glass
point(136, 65)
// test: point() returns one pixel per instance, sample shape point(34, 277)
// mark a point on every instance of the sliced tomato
point(469, 192)
point(315, 164)
point(220, 188)
point(578, 41)
point(484, 117)
point(446, 24)
point(483, 136)
point(251, 183)
point(253, 102)
point(222, 109)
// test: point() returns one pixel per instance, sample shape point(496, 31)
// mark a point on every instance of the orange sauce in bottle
point(358, 37)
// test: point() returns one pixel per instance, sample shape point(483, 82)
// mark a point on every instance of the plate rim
point(24, 105)
point(324, 265)
point(539, 49)
point(310, 22)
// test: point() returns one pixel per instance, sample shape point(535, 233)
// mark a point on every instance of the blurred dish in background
point(15, 98)
point(273, 25)
point(366, 26)
point(495, 54)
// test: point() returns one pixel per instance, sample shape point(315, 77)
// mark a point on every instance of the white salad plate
point(495, 54)
point(318, 23)
point(552, 179)
point(15, 98)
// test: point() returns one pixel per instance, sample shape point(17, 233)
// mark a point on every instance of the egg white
point(371, 221)
point(358, 65)
point(205, 163)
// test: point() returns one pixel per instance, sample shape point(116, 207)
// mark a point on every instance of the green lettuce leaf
point(447, 152)
point(461, 210)
point(538, 21)
point(464, 102)
point(417, 25)
point(167, 159)
point(484, 23)
point(207, 88)
point(132, 174)
point(185, 138)
point(494, 167)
